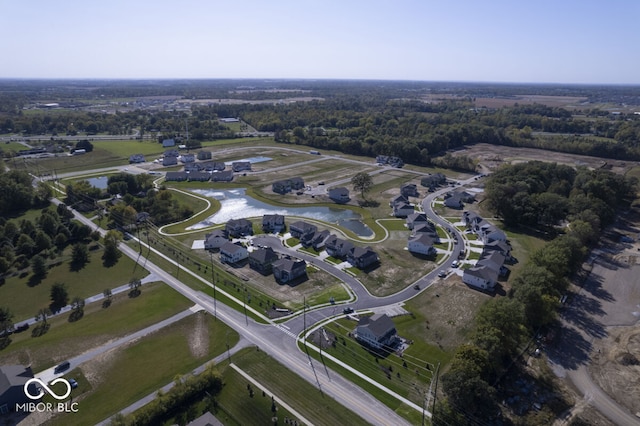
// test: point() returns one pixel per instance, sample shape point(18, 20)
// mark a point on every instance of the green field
point(98, 325)
point(24, 297)
point(282, 382)
point(134, 371)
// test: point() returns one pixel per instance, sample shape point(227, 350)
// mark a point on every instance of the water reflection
point(235, 204)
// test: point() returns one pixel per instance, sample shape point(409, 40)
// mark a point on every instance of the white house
point(215, 239)
point(422, 244)
point(481, 277)
point(232, 253)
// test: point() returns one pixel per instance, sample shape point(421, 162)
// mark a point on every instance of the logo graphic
point(42, 387)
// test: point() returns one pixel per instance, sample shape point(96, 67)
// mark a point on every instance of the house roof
point(263, 255)
point(288, 264)
point(423, 238)
point(338, 191)
point(231, 248)
point(218, 233)
point(242, 222)
point(303, 226)
point(273, 218)
point(417, 217)
point(176, 176)
point(482, 272)
point(13, 375)
point(378, 324)
point(362, 252)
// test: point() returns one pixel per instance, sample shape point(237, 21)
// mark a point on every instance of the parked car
point(347, 310)
point(63, 366)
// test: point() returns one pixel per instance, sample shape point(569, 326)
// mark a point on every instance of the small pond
point(235, 204)
point(98, 182)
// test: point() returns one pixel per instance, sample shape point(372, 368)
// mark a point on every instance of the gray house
point(301, 228)
point(215, 239)
point(238, 166)
point(176, 176)
point(262, 260)
point(12, 381)
point(409, 190)
point(204, 155)
point(376, 331)
point(287, 270)
point(136, 158)
point(225, 176)
point(362, 257)
point(239, 227)
point(273, 223)
point(339, 195)
point(337, 247)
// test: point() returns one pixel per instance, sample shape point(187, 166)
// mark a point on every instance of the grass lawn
point(98, 325)
point(126, 148)
point(127, 374)
point(282, 382)
point(25, 298)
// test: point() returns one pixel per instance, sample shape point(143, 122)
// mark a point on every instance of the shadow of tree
point(593, 285)
point(34, 280)
point(76, 315)
point(39, 330)
point(571, 349)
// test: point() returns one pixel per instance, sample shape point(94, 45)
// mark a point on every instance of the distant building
point(204, 155)
point(287, 185)
point(225, 176)
point(187, 158)
point(168, 143)
point(199, 176)
point(136, 158)
point(239, 166)
point(409, 190)
point(169, 161)
point(176, 176)
point(239, 227)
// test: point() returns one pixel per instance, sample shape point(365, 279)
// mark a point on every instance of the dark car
point(347, 310)
point(63, 366)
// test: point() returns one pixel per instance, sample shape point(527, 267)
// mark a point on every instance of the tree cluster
point(503, 324)
point(30, 243)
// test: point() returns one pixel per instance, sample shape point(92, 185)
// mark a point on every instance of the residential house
point(192, 167)
point(171, 153)
point(187, 158)
point(398, 199)
point(466, 197)
point(12, 392)
point(224, 176)
point(239, 227)
point(176, 176)
point(480, 277)
point(301, 228)
point(168, 143)
point(453, 201)
point(392, 161)
point(422, 244)
point(136, 158)
point(215, 239)
point(287, 185)
point(211, 166)
point(204, 155)
point(500, 246)
point(409, 190)
point(433, 181)
point(402, 209)
point(426, 228)
point(318, 239)
point(339, 195)
point(286, 270)
point(337, 247)
point(262, 260)
point(232, 253)
point(376, 331)
point(415, 219)
point(238, 166)
point(199, 176)
point(169, 161)
point(362, 257)
point(273, 223)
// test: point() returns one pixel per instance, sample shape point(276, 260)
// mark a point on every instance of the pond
point(98, 182)
point(235, 204)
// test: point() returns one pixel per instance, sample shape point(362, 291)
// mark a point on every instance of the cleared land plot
point(124, 375)
point(398, 267)
point(26, 296)
point(98, 325)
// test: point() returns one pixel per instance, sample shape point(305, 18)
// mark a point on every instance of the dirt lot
point(492, 156)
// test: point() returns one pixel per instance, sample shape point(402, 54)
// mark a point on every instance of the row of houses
point(496, 251)
point(263, 259)
point(309, 236)
point(197, 176)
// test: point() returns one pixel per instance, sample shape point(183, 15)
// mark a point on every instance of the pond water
point(235, 204)
point(98, 182)
point(252, 160)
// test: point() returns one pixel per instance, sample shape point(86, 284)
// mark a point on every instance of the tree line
point(503, 325)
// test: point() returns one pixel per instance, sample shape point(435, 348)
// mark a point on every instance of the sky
point(534, 41)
